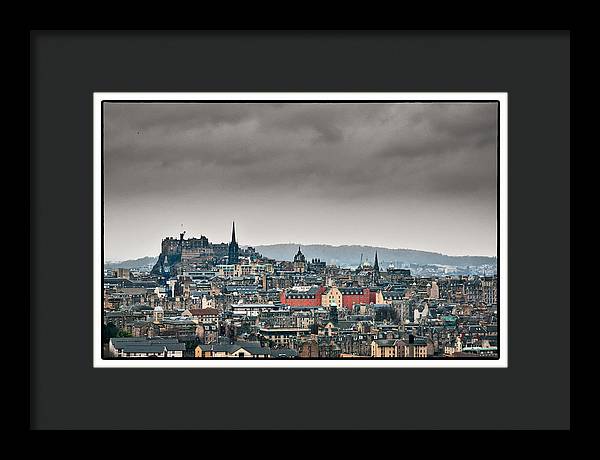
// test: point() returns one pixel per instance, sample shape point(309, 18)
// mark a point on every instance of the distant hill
point(343, 255)
point(131, 263)
point(350, 255)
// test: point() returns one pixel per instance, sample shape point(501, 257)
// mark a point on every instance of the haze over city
point(412, 175)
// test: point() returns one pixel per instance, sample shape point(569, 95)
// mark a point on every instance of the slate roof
point(380, 305)
point(252, 347)
point(284, 353)
point(312, 291)
point(351, 290)
point(116, 281)
point(242, 289)
point(204, 312)
point(417, 341)
point(144, 284)
point(346, 324)
point(160, 340)
point(386, 342)
point(145, 345)
point(135, 348)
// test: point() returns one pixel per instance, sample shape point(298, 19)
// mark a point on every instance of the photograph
point(300, 216)
point(300, 230)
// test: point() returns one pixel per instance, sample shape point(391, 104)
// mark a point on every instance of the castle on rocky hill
point(178, 251)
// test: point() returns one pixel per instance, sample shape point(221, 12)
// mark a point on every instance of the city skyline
point(293, 243)
point(407, 176)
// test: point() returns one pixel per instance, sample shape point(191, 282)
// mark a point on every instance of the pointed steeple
point(376, 270)
point(233, 248)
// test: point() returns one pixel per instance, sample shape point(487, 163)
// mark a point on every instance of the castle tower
point(234, 249)
point(180, 244)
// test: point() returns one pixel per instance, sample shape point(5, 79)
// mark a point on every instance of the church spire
point(376, 270)
point(234, 249)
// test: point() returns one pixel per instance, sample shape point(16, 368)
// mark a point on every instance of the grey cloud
point(300, 156)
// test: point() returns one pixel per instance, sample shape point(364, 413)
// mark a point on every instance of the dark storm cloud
point(262, 145)
point(301, 154)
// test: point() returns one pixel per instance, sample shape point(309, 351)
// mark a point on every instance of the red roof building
point(302, 297)
point(355, 295)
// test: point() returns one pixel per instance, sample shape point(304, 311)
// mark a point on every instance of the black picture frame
point(533, 67)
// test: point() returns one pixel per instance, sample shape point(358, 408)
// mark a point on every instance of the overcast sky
point(398, 175)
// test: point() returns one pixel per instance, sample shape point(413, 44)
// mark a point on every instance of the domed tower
point(299, 261)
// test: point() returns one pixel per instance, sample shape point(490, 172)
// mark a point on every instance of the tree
point(333, 314)
point(110, 331)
